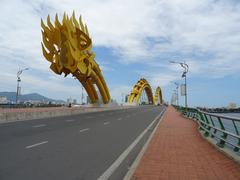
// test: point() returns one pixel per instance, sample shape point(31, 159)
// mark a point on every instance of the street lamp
point(18, 82)
point(184, 75)
point(174, 97)
point(177, 86)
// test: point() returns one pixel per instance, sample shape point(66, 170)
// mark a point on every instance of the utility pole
point(18, 83)
point(82, 95)
point(184, 75)
point(177, 97)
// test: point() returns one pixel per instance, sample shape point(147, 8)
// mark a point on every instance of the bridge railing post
point(214, 131)
point(221, 142)
point(237, 132)
point(208, 126)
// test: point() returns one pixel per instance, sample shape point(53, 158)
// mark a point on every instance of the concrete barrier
point(12, 115)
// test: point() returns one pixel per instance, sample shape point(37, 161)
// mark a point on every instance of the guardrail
point(224, 129)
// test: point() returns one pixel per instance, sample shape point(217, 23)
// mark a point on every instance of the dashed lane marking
point(83, 130)
point(39, 125)
point(37, 144)
point(70, 120)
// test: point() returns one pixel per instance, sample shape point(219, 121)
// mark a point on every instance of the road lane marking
point(37, 144)
point(119, 119)
point(88, 117)
point(106, 123)
point(70, 120)
point(83, 130)
point(39, 125)
point(107, 174)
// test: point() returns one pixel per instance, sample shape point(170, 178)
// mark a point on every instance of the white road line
point(70, 120)
point(88, 117)
point(119, 119)
point(121, 158)
point(37, 144)
point(83, 130)
point(39, 125)
point(106, 123)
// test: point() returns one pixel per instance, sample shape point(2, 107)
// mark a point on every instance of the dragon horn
point(57, 23)
point(49, 23)
point(86, 29)
point(81, 24)
point(75, 21)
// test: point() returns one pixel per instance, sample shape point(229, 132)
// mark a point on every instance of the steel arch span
point(137, 90)
point(158, 96)
point(68, 47)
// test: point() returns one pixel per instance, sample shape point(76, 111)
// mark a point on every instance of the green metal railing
point(224, 129)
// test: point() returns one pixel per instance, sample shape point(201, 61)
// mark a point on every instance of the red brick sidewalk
point(177, 151)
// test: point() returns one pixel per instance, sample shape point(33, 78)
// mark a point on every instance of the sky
point(132, 39)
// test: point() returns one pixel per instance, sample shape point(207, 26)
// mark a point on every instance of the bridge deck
point(177, 151)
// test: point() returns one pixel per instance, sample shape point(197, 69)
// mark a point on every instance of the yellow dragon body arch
point(142, 84)
point(158, 96)
point(137, 90)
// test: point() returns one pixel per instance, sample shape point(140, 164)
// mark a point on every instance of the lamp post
point(82, 95)
point(174, 97)
point(122, 98)
point(177, 86)
point(18, 82)
point(184, 75)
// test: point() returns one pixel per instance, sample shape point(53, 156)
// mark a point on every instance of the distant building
point(126, 98)
point(74, 101)
point(88, 100)
point(69, 100)
point(3, 100)
point(113, 101)
point(232, 106)
point(100, 101)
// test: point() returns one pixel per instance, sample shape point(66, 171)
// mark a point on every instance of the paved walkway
point(177, 151)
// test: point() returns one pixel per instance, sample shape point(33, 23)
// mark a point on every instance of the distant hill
point(11, 96)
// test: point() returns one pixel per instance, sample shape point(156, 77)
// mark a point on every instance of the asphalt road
point(82, 146)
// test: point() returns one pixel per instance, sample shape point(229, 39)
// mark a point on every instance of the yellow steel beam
point(67, 46)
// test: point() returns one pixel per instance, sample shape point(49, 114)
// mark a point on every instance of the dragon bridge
point(67, 46)
point(138, 89)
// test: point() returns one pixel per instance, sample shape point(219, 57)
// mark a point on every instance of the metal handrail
point(221, 116)
point(208, 125)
